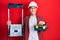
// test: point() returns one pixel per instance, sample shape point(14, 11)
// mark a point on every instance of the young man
point(30, 21)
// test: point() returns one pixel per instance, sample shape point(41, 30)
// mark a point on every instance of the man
point(30, 21)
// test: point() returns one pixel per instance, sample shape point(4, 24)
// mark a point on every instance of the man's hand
point(41, 22)
point(8, 22)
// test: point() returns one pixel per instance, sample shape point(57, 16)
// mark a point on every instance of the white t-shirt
point(33, 35)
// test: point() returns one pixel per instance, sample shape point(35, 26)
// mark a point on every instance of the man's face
point(33, 9)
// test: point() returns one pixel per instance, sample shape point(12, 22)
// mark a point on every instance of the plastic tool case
point(15, 30)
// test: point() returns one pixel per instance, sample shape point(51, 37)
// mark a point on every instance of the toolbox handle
point(11, 5)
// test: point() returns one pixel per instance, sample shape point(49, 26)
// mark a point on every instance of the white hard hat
point(33, 4)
